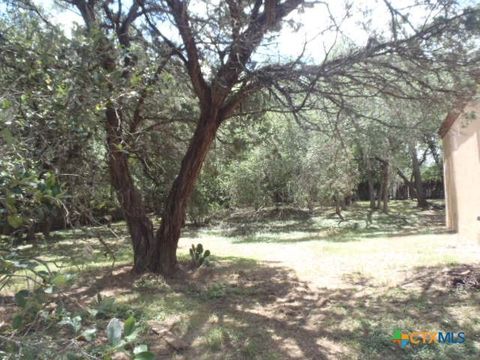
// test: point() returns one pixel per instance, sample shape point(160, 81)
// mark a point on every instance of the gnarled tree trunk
point(163, 258)
point(139, 225)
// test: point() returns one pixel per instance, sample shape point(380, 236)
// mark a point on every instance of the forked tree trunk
point(163, 258)
point(410, 187)
point(417, 177)
point(138, 223)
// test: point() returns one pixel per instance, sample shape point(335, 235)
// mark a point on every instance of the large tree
point(218, 47)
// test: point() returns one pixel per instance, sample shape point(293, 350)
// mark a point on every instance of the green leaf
point(17, 321)
point(129, 325)
point(77, 323)
point(99, 107)
point(114, 331)
point(89, 334)
point(135, 80)
point(146, 355)
point(59, 280)
point(15, 221)
point(50, 180)
point(133, 336)
point(92, 312)
point(140, 348)
point(7, 136)
point(21, 297)
point(6, 104)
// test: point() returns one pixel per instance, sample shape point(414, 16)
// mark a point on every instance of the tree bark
point(371, 193)
point(138, 223)
point(371, 184)
point(338, 208)
point(386, 187)
point(408, 183)
point(380, 196)
point(163, 258)
point(417, 177)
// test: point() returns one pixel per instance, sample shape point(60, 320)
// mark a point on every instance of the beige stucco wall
point(461, 145)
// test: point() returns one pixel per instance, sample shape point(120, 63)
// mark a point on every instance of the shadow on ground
point(240, 309)
point(404, 219)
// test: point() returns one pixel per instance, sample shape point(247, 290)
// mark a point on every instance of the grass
point(304, 287)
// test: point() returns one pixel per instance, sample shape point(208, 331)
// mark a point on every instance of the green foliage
point(30, 304)
point(40, 305)
point(74, 323)
point(216, 291)
point(198, 256)
point(129, 326)
point(121, 336)
point(215, 339)
point(152, 282)
point(104, 307)
point(290, 165)
point(431, 173)
point(328, 172)
point(26, 197)
point(42, 286)
point(141, 353)
point(89, 334)
point(15, 266)
point(208, 196)
point(265, 170)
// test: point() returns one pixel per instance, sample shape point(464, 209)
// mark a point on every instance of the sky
point(290, 42)
point(314, 21)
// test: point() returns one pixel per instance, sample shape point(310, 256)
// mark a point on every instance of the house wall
point(461, 145)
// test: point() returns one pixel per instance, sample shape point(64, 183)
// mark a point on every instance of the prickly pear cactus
point(198, 255)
